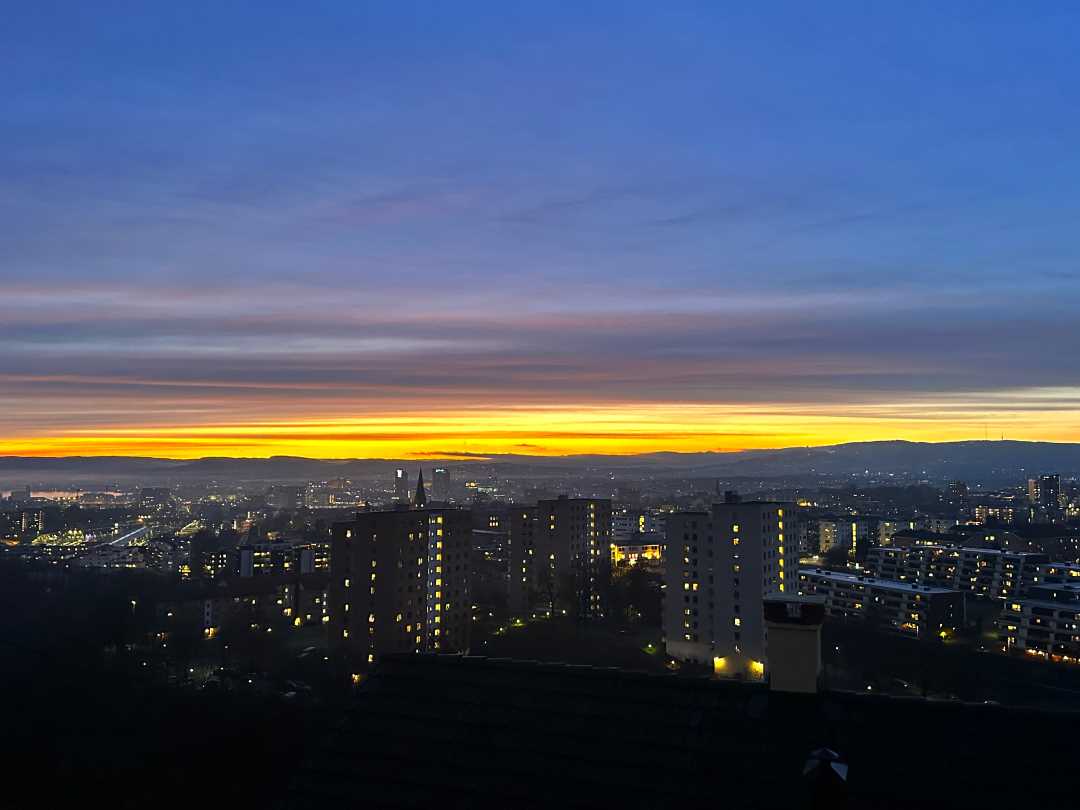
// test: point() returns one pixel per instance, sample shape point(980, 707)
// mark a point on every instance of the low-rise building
point(256, 604)
point(985, 572)
point(996, 513)
point(888, 528)
point(637, 549)
point(1056, 573)
point(1045, 623)
point(923, 565)
point(918, 610)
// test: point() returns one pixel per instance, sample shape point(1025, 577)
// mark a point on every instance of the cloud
point(491, 219)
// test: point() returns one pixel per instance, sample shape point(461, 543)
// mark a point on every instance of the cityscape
point(630, 405)
point(303, 595)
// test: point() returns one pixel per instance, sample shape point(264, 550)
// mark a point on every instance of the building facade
point(1044, 493)
point(399, 582)
point(560, 555)
point(848, 532)
point(646, 550)
point(401, 486)
point(720, 565)
point(1055, 573)
point(984, 572)
point(440, 484)
point(1045, 623)
point(995, 513)
point(626, 522)
point(918, 610)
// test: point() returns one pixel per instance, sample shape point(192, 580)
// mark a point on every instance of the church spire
point(420, 499)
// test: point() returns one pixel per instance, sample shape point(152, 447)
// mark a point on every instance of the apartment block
point(720, 566)
point(984, 572)
point(917, 610)
point(560, 555)
point(1045, 623)
point(399, 582)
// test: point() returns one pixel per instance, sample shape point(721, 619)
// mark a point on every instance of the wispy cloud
point(488, 223)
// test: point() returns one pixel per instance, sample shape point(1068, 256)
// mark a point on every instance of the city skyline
point(402, 232)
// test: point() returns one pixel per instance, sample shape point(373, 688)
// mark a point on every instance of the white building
point(720, 565)
point(887, 528)
point(848, 532)
point(917, 610)
point(1045, 623)
point(986, 572)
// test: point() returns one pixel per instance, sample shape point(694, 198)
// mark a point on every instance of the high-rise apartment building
point(851, 533)
point(399, 582)
point(401, 486)
point(1044, 493)
point(560, 555)
point(527, 571)
point(1050, 491)
point(720, 567)
point(440, 484)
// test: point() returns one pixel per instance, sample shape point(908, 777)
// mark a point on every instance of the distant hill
point(974, 461)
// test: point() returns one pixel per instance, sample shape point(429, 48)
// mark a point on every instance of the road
point(125, 539)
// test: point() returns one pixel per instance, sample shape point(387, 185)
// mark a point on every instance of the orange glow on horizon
point(550, 431)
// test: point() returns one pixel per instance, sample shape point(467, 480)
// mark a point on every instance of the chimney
point(794, 627)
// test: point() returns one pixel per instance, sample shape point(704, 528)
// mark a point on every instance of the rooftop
point(472, 732)
point(962, 549)
point(864, 579)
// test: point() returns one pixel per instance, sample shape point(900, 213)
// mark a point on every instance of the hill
point(974, 461)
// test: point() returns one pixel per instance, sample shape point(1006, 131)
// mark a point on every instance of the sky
point(363, 229)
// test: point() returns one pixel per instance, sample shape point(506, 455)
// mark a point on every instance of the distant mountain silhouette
point(976, 461)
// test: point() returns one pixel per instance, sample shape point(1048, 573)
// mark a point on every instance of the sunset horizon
point(616, 431)
point(383, 232)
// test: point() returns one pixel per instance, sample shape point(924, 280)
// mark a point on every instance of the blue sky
point(609, 203)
